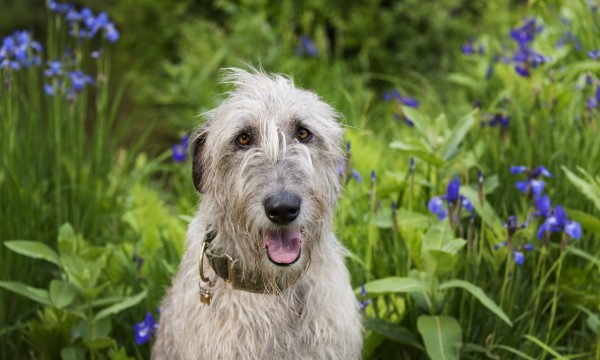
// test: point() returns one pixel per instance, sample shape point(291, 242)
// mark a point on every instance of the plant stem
point(554, 298)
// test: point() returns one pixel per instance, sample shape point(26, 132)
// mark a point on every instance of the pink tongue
point(283, 246)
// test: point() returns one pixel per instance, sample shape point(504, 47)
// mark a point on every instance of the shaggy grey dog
point(272, 283)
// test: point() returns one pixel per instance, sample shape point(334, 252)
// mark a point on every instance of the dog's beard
point(277, 279)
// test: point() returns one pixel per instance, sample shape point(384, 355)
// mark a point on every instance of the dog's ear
point(197, 150)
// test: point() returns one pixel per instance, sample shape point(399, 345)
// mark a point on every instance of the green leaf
point(439, 248)
point(426, 300)
point(393, 284)
point(67, 240)
point(438, 236)
point(417, 117)
point(487, 213)
point(479, 294)
point(72, 353)
point(394, 332)
point(371, 342)
point(593, 322)
point(514, 351)
point(98, 343)
point(576, 251)
point(34, 249)
point(587, 188)
point(127, 303)
point(418, 149)
point(546, 348)
point(35, 294)
point(464, 80)
point(458, 134)
point(442, 336)
point(62, 293)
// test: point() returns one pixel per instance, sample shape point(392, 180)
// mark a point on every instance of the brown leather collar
point(230, 270)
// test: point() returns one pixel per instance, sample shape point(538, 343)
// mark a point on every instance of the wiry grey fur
point(317, 317)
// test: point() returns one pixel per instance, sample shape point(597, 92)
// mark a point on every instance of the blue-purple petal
point(543, 205)
point(410, 102)
point(541, 170)
point(466, 203)
point(452, 191)
point(179, 154)
point(518, 169)
point(519, 257)
point(442, 214)
point(499, 245)
point(436, 204)
point(523, 186)
point(573, 229)
point(543, 229)
point(537, 186)
point(529, 247)
point(560, 216)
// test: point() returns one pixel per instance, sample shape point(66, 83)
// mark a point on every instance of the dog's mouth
point(283, 245)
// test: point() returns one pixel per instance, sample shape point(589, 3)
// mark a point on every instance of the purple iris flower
point(594, 54)
point(19, 50)
point(179, 150)
point(356, 176)
point(469, 48)
point(306, 47)
point(54, 69)
point(522, 70)
point(87, 22)
point(518, 169)
point(79, 79)
point(365, 302)
point(518, 254)
point(404, 100)
point(525, 34)
point(512, 225)
point(57, 7)
point(543, 206)
point(452, 191)
point(532, 183)
point(541, 170)
point(501, 119)
point(145, 329)
point(526, 58)
point(519, 257)
point(569, 38)
point(436, 206)
point(97, 23)
point(72, 15)
point(558, 222)
point(594, 100)
point(49, 89)
point(452, 197)
point(111, 32)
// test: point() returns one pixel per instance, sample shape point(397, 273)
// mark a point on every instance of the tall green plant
point(58, 110)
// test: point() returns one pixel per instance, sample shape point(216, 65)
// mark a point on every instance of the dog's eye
point(243, 139)
point(303, 134)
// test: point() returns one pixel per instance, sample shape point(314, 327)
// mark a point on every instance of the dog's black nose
point(282, 207)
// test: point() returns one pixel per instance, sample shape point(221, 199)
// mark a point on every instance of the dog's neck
point(232, 272)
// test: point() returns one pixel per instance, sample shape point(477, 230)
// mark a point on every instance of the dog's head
point(266, 163)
